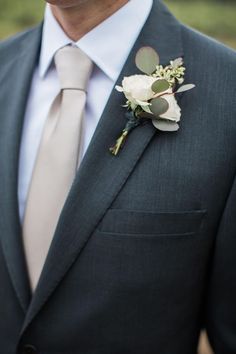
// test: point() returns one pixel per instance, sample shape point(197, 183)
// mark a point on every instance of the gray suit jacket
point(144, 251)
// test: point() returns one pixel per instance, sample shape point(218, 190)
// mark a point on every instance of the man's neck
point(78, 20)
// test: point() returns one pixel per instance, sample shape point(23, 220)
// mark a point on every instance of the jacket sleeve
point(221, 302)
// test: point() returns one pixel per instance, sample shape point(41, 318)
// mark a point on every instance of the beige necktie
point(57, 158)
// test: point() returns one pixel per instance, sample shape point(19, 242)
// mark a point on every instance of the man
point(139, 253)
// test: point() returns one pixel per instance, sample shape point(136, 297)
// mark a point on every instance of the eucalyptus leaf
point(159, 106)
point(146, 60)
point(165, 125)
point(145, 115)
point(160, 86)
point(185, 88)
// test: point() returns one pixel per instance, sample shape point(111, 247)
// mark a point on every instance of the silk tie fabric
point(57, 158)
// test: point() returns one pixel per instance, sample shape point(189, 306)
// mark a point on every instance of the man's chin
point(66, 3)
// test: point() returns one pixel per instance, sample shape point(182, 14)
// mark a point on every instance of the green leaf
point(146, 60)
point(145, 115)
point(165, 125)
point(185, 88)
point(159, 106)
point(160, 86)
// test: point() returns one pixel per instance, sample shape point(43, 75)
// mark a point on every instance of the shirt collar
point(113, 38)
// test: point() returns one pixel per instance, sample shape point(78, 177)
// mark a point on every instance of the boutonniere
point(151, 95)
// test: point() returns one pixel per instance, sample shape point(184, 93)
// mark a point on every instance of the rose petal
point(174, 111)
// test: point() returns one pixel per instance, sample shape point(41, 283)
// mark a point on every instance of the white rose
point(174, 111)
point(137, 89)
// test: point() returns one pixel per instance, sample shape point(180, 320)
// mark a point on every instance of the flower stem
point(119, 143)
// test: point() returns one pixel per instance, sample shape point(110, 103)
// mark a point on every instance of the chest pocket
point(133, 222)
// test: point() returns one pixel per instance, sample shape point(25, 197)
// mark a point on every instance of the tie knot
point(73, 68)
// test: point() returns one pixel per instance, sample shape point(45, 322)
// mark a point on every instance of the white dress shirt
point(108, 46)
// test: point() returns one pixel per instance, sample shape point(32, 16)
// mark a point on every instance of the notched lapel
point(15, 78)
point(102, 175)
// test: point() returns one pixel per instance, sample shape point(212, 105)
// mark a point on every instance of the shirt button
point(29, 349)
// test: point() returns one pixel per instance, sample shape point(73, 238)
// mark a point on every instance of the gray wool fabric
point(144, 251)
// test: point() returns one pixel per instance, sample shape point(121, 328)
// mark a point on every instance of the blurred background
point(216, 18)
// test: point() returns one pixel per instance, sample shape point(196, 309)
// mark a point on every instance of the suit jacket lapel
point(101, 175)
point(15, 78)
